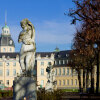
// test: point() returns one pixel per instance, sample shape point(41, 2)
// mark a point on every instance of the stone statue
point(27, 53)
point(51, 83)
point(24, 85)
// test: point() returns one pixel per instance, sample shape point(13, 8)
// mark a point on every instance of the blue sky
point(52, 27)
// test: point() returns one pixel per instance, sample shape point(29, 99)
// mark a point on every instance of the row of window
point(7, 64)
point(61, 71)
point(67, 82)
point(7, 82)
point(42, 63)
point(8, 72)
point(4, 49)
point(5, 31)
point(64, 71)
point(60, 62)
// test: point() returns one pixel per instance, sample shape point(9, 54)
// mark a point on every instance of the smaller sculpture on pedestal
point(51, 83)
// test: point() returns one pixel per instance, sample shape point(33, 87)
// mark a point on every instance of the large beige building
point(9, 59)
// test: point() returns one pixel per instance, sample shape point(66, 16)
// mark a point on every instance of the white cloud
point(54, 32)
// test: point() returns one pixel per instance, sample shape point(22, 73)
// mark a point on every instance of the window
point(42, 63)
point(63, 61)
point(7, 64)
point(71, 71)
point(75, 81)
point(7, 82)
point(4, 49)
point(14, 72)
point(1, 64)
point(42, 82)
point(67, 71)
point(67, 61)
point(5, 31)
point(75, 72)
point(7, 72)
point(63, 71)
point(67, 82)
point(1, 72)
point(42, 71)
point(71, 81)
point(10, 49)
point(59, 62)
point(1, 81)
point(59, 71)
point(14, 63)
point(63, 82)
point(20, 71)
point(55, 62)
point(59, 82)
point(56, 71)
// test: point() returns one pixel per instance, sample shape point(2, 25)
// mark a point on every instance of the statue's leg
point(30, 62)
point(22, 57)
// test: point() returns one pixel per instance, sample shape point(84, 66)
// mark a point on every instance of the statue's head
point(25, 23)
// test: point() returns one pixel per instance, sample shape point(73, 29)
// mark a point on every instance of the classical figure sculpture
point(24, 85)
point(27, 53)
point(51, 83)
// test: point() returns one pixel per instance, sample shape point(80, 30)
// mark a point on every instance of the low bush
point(55, 95)
point(4, 93)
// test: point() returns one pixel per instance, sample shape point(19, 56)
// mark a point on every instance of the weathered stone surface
point(24, 87)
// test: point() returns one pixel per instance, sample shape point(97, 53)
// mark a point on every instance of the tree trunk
point(87, 79)
point(92, 79)
point(79, 79)
point(98, 65)
point(84, 80)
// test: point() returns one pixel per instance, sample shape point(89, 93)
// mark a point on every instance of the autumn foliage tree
point(87, 12)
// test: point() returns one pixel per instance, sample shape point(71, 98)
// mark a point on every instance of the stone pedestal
point(24, 87)
point(49, 87)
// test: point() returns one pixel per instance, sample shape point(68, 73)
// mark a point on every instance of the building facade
point(66, 77)
point(9, 59)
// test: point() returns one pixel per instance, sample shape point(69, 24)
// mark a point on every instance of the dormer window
point(59, 62)
point(63, 61)
point(59, 56)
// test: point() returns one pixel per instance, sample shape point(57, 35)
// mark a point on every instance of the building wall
point(66, 78)
point(9, 67)
point(42, 63)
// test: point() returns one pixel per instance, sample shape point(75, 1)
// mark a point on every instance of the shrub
point(55, 95)
point(4, 93)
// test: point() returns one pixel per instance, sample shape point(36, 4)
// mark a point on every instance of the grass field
point(70, 90)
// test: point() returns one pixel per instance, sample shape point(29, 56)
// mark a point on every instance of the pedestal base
point(49, 87)
point(24, 87)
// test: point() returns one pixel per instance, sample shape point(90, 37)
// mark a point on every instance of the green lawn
point(71, 90)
